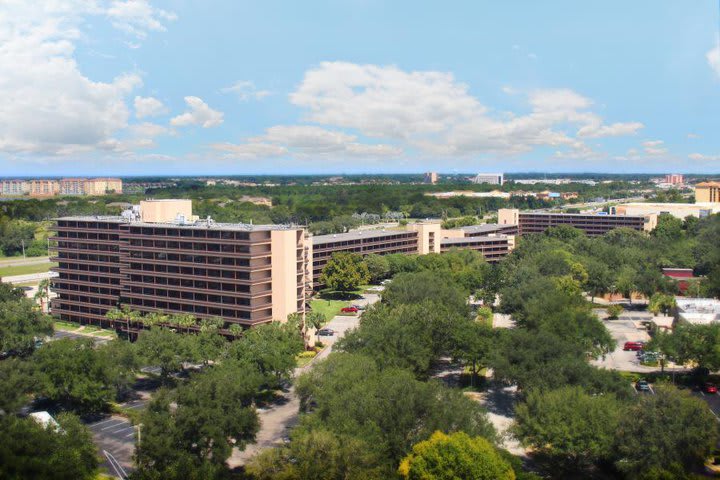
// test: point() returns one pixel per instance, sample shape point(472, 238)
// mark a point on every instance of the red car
point(633, 346)
point(349, 310)
point(710, 388)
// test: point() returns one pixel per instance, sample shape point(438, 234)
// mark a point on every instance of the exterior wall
point(592, 225)
point(14, 187)
point(431, 178)
point(164, 211)
point(113, 185)
point(72, 186)
point(493, 247)
point(491, 178)
point(429, 236)
point(508, 216)
point(43, 188)
point(288, 273)
point(707, 192)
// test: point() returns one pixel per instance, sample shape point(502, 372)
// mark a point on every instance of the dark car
point(710, 388)
point(642, 386)
point(326, 332)
point(633, 346)
point(359, 307)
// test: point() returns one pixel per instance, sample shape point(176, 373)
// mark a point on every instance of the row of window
point(173, 307)
point(190, 283)
point(199, 259)
point(195, 246)
point(197, 233)
point(192, 271)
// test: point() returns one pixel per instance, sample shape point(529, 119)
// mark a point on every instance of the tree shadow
point(338, 295)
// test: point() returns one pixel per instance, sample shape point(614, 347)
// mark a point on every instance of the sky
point(231, 87)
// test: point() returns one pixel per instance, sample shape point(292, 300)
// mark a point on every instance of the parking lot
point(115, 438)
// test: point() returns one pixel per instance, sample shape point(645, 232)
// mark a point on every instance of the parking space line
point(131, 434)
point(122, 429)
point(113, 426)
point(100, 423)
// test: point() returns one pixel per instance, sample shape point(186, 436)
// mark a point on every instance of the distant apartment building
point(64, 186)
point(43, 188)
point(591, 224)
point(674, 179)
point(14, 187)
point(262, 201)
point(431, 178)
point(158, 257)
point(72, 186)
point(490, 178)
point(707, 192)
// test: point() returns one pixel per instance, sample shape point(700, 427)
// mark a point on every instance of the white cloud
point(431, 111)
point(199, 114)
point(654, 147)
point(700, 157)
point(713, 59)
point(148, 107)
point(250, 150)
point(245, 90)
point(384, 101)
point(304, 141)
point(49, 106)
point(138, 17)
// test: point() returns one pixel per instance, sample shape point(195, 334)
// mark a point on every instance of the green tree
point(614, 311)
point(599, 281)
point(387, 409)
point(378, 267)
point(433, 286)
point(162, 348)
point(345, 272)
point(75, 374)
point(321, 455)
point(17, 382)
point(625, 282)
point(661, 302)
point(20, 325)
point(450, 457)
point(29, 450)
point(573, 429)
point(272, 348)
point(472, 345)
point(663, 431)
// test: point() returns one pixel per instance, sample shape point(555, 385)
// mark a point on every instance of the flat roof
point(357, 235)
point(198, 225)
point(480, 239)
point(597, 215)
point(486, 227)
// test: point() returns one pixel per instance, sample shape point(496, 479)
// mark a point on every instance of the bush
point(308, 354)
point(614, 311)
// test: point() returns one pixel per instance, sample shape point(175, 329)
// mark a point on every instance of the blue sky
point(180, 87)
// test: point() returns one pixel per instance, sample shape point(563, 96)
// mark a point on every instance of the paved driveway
point(115, 438)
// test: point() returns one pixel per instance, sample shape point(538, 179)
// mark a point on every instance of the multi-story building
point(43, 188)
point(707, 192)
point(674, 179)
point(591, 224)
point(431, 178)
point(159, 258)
point(102, 186)
point(678, 210)
point(72, 186)
point(491, 178)
point(14, 187)
point(417, 239)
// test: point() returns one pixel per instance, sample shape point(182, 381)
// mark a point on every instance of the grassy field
point(26, 269)
point(329, 308)
point(67, 326)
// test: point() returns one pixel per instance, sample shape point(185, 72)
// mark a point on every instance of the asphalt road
point(17, 262)
point(115, 439)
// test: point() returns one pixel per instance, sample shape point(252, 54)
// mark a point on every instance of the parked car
point(710, 388)
point(359, 307)
point(326, 332)
point(349, 310)
point(642, 386)
point(633, 346)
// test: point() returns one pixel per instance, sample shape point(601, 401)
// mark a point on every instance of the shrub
point(614, 311)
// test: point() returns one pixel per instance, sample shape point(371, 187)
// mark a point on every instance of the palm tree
point(113, 315)
point(183, 320)
point(211, 324)
point(314, 320)
point(43, 295)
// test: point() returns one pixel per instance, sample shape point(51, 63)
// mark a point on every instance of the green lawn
point(66, 326)
point(26, 269)
point(329, 308)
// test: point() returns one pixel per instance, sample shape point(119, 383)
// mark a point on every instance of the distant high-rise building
point(491, 178)
point(431, 178)
point(674, 179)
point(43, 188)
point(14, 187)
